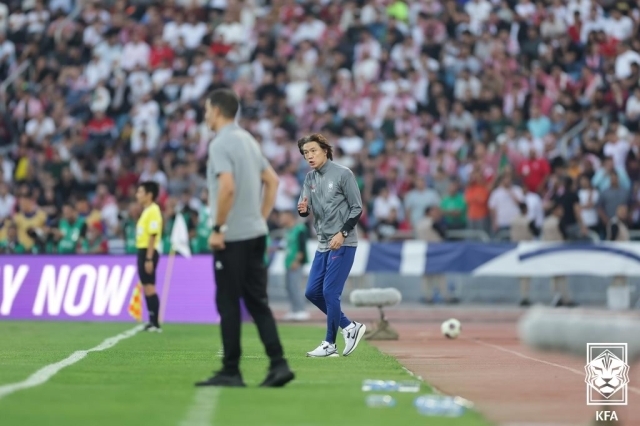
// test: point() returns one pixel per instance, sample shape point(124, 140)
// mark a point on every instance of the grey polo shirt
point(234, 150)
point(334, 198)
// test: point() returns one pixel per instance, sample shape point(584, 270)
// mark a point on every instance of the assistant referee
point(236, 173)
point(148, 242)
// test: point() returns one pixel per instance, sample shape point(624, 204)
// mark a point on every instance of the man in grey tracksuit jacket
point(331, 193)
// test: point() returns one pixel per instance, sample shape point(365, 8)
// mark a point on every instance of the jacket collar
point(325, 167)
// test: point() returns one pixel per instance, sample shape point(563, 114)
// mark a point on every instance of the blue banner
point(417, 258)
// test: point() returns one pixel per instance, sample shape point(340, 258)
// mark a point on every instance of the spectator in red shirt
point(161, 51)
point(534, 171)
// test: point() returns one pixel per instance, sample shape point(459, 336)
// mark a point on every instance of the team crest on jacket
point(330, 186)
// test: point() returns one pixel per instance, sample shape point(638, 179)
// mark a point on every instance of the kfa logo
point(330, 186)
point(607, 374)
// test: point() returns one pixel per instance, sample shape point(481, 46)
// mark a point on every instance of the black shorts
point(146, 278)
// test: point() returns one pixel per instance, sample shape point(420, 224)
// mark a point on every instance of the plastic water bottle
point(409, 386)
point(379, 386)
point(441, 406)
point(380, 401)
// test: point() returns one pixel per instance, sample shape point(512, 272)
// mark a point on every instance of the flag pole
point(167, 282)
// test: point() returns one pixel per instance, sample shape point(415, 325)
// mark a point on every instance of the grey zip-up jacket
point(334, 198)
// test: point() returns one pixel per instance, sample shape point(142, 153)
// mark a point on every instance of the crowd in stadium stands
point(454, 115)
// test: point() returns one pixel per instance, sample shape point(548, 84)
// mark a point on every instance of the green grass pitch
point(148, 380)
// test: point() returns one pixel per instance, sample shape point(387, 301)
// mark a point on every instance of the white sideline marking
point(47, 372)
point(462, 401)
point(553, 364)
point(203, 408)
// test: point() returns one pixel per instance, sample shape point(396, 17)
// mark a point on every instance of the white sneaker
point(152, 328)
point(352, 336)
point(325, 349)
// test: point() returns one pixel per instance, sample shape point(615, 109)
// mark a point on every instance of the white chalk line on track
point(530, 358)
point(44, 374)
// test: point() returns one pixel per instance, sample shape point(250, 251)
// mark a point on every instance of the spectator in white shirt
point(193, 32)
point(101, 98)
point(350, 143)
point(135, 53)
point(153, 173)
point(479, 12)
point(404, 53)
point(231, 30)
point(96, 71)
point(589, 198)
point(37, 19)
point(365, 70)
point(40, 127)
point(384, 203)
point(201, 72)
point(535, 210)
point(593, 22)
point(173, 29)
point(525, 9)
point(139, 82)
point(626, 56)
point(4, 18)
point(619, 26)
point(161, 76)
point(504, 203)
point(552, 27)
point(7, 201)
point(145, 111)
point(311, 29)
point(616, 148)
point(17, 21)
point(145, 135)
point(93, 34)
point(367, 44)
point(109, 50)
point(632, 110)
point(466, 82)
point(7, 54)
point(6, 169)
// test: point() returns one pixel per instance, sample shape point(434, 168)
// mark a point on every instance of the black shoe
point(525, 302)
point(224, 380)
point(278, 377)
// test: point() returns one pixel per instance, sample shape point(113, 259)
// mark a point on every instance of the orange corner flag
point(135, 304)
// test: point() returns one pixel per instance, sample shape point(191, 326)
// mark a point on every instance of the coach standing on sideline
point(331, 192)
point(236, 171)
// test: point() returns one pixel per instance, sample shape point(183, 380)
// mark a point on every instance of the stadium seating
point(469, 107)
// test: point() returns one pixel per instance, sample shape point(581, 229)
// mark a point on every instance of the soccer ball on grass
point(451, 328)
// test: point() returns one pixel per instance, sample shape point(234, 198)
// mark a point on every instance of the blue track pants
point(328, 274)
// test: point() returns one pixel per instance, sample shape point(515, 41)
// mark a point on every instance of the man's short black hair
point(226, 100)
point(151, 187)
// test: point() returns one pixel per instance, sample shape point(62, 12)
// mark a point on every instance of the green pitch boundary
point(148, 380)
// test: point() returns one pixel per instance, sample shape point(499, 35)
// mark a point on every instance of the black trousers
point(241, 272)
